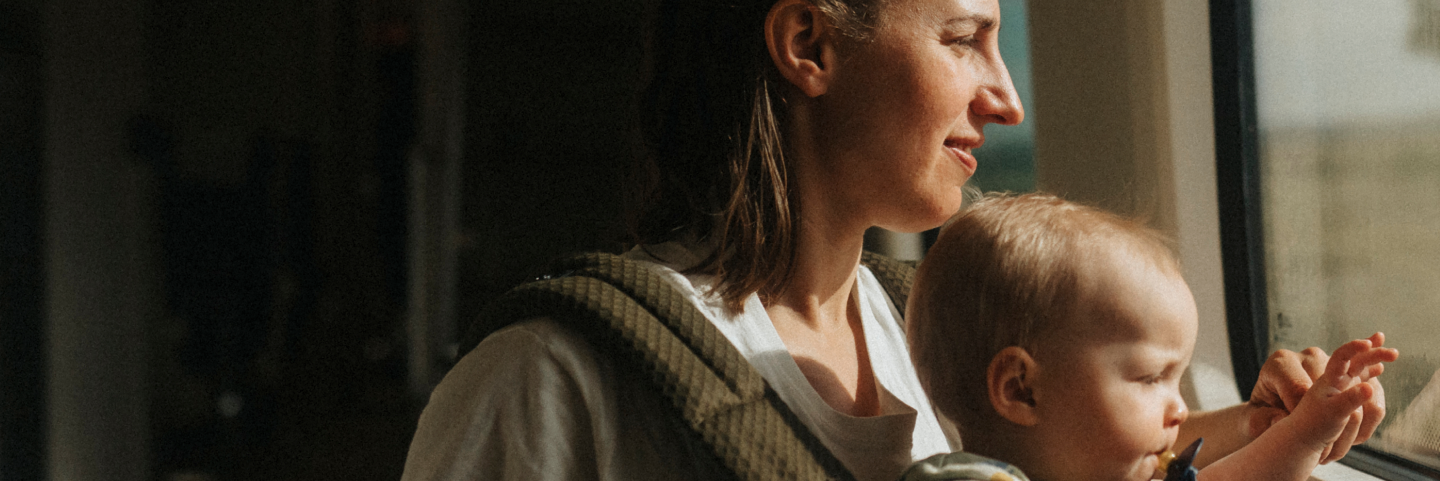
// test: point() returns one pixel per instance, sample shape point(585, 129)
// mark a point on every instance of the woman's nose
point(997, 101)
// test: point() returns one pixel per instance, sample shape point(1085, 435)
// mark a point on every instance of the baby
point(1055, 336)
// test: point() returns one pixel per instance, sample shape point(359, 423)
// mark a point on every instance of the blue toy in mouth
point(1180, 468)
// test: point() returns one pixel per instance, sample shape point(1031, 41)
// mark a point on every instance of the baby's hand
point(1325, 411)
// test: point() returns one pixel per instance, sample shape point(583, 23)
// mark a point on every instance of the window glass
point(1348, 105)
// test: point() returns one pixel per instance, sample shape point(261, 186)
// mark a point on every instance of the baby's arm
point(1292, 448)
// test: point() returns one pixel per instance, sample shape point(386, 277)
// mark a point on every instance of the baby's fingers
point(1358, 360)
point(1341, 445)
point(1363, 355)
point(1366, 365)
point(1333, 421)
point(1348, 351)
point(1369, 372)
point(1349, 401)
point(1338, 372)
point(1373, 411)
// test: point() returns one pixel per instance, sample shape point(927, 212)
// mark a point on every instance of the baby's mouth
point(1162, 464)
point(1166, 457)
point(1186, 456)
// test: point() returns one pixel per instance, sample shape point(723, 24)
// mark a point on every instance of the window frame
point(1241, 220)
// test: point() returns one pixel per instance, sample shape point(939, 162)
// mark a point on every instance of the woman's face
point(894, 132)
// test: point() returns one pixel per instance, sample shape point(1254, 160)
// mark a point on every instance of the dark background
point(227, 193)
point(551, 134)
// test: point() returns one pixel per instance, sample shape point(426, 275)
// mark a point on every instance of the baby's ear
point(1009, 381)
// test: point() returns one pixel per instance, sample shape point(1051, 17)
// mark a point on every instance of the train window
point(1328, 137)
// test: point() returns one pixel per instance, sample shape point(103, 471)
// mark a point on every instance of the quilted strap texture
point(629, 310)
point(896, 277)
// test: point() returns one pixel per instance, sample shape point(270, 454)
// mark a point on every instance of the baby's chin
point(1142, 469)
point(1146, 468)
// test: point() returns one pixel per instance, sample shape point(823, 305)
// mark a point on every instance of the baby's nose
point(1176, 412)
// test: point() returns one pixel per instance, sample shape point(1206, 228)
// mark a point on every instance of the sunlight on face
point(895, 131)
point(1108, 396)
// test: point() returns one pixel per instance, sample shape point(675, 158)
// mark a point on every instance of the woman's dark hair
point(712, 117)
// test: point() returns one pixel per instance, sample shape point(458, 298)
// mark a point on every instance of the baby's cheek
point(1146, 423)
point(1126, 437)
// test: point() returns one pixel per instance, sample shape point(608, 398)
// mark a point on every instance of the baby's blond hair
point(1002, 273)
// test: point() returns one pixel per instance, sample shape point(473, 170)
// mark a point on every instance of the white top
point(534, 401)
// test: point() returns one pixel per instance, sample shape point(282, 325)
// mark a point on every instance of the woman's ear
point(801, 42)
point(1010, 381)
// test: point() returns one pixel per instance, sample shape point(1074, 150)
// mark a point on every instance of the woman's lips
point(963, 154)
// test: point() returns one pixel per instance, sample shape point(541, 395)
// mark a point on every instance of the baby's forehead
point(1089, 325)
point(1109, 283)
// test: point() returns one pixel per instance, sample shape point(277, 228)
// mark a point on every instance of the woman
point(781, 131)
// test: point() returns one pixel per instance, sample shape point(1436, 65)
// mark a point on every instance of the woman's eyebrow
point(978, 20)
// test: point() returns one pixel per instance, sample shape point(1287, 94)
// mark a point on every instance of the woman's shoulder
point(539, 348)
point(553, 341)
point(536, 401)
point(671, 262)
point(669, 257)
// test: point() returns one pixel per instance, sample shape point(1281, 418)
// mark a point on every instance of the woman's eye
point(966, 41)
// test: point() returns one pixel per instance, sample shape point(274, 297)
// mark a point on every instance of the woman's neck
point(820, 323)
point(822, 277)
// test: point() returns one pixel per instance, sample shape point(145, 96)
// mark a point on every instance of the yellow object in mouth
point(1165, 459)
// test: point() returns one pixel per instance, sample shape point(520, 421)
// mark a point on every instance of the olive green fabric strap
point(895, 276)
point(631, 311)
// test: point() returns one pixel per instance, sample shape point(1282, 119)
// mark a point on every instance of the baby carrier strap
point(629, 310)
point(895, 276)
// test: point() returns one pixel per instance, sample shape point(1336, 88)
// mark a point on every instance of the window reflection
point(1348, 98)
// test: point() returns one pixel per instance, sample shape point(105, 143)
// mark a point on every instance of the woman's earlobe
point(1011, 394)
point(798, 38)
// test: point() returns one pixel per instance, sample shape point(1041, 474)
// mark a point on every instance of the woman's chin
point(917, 225)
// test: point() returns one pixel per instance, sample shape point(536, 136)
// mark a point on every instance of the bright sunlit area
point(1348, 98)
